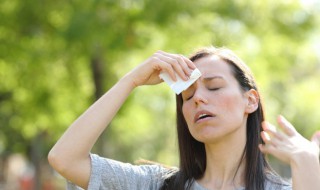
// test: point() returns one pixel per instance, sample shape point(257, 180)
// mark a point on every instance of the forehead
point(213, 65)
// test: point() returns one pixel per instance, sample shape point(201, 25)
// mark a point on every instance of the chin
point(216, 136)
point(208, 138)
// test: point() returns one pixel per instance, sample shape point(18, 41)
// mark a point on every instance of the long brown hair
point(192, 152)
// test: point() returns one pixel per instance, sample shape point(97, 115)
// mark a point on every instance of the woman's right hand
point(82, 134)
point(147, 73)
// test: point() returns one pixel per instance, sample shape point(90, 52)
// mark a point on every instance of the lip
point(196, 117)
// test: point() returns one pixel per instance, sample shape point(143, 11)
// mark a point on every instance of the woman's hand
point(291, 147)
point(82, 134)
point(288, 145)
point(148, 72)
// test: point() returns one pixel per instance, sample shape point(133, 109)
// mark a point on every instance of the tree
point(57, 57)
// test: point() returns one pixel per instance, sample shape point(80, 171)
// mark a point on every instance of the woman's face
point(215, 107)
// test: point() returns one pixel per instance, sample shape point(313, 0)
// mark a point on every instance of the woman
point(220, 126)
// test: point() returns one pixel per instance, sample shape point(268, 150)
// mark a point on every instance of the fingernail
point(266, 135)
point(281, 118)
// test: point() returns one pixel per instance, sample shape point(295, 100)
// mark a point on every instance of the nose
point(199, 97)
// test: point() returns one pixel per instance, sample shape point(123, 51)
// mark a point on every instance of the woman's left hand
point(288, 145)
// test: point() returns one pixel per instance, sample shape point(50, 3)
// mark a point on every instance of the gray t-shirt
point(107, 174)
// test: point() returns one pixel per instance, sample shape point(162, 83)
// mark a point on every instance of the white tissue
point(180, 85)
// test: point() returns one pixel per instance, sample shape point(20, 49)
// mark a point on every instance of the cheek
point(231, 103)
point(227, 102)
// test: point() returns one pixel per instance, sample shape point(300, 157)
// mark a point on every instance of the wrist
point(128, 82)
point(305, 159)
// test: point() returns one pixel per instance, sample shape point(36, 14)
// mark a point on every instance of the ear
point(253, 99)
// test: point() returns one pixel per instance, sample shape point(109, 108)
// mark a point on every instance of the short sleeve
point(111, 174)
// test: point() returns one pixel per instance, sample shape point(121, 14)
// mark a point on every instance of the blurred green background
point(57, 57)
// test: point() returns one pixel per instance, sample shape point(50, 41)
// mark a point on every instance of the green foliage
point(46, 49)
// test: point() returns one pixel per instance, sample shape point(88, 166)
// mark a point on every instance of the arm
point(292, 148)
point(70, 155)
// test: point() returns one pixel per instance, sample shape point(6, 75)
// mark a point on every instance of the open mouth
point(202, 115)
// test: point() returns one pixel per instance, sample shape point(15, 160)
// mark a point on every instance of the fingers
point(163, 65)
point(179, 64)
point(287, 144)
point(267, 149)
point(272, 131)
point(182, 59)
point(272, 144)
point(272, 138)
point(274, 141)
point(286, 126)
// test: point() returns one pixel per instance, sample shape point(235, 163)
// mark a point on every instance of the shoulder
point(118, 175)
point(114, 165)
point(111, 174)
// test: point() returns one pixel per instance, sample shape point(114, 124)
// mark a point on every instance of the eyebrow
point(209, 78)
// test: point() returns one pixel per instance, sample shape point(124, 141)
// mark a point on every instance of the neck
point(224, 169)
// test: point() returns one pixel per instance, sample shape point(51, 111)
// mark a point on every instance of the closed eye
point(189, 98)
point(214, 89)
point(211, 89)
